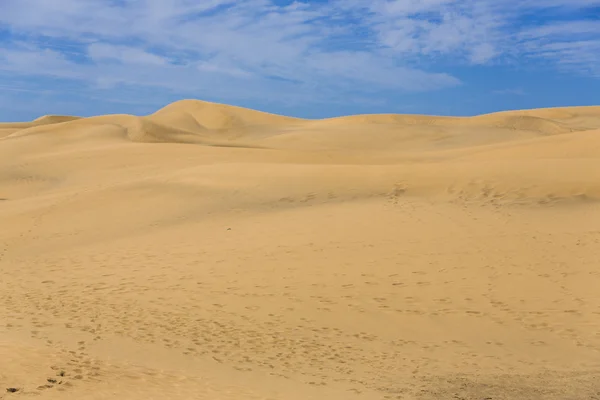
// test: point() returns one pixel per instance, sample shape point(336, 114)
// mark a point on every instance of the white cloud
point(562, 28)
point(564, 4)
point(251, 40)
point(221, 68)
point(482, 53)
point(573, 46)
point(244, 47)
point(26, 59)
point(123, 54)
point(513, 92)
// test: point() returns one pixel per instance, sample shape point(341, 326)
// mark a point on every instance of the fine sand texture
point(213, 252)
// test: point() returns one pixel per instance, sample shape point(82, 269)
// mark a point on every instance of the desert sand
point(213, 252)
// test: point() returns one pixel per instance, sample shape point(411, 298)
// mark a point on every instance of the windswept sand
point(213, 252)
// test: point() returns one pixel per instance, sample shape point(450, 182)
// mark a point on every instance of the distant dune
point(208, 251)
point(543, 138)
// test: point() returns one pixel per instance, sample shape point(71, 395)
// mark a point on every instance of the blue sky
point(312, 58)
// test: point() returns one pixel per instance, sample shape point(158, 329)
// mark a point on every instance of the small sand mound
point(141, 129)
point(396, 119)
point(73, 130)
point(136, 129)
point(216, 116)
point(524, 123)
point(54, 119)
point(177, 119)
point(553, 113)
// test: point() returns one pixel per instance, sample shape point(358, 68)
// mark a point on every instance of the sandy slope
point(213, 252)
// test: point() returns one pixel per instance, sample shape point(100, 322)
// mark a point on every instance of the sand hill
point(213, 252)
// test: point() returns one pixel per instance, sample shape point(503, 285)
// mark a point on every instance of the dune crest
point(54, 119)
point(217, 116)
point(185, 119)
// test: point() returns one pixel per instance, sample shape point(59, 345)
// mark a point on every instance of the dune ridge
point(215, 252)
point(450, 144)
point(197, 117)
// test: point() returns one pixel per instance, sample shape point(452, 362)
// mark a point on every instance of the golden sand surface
point(213, 252)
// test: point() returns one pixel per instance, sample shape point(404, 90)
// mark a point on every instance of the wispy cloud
point(510, 91)
point(178, 44)
point(317, 51)
point(571, 45)
point(102, 52)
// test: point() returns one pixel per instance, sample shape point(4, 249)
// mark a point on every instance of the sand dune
point(213, 252)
